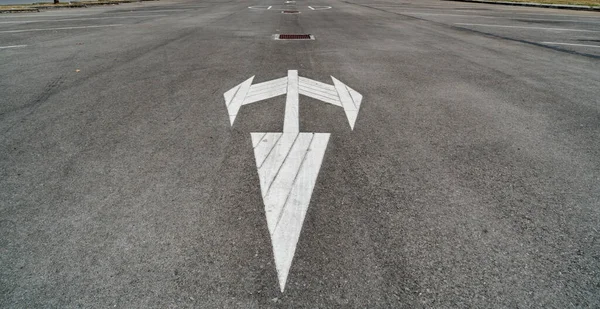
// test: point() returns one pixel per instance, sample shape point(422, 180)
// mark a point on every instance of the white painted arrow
point(338, 94)
point(288, 162)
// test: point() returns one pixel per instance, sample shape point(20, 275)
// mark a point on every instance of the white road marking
point(12, 46)
point(266, 90)
point(570, 44)
point(61, 28)
point(339, 95)
point(266, 143)
point(288, 162)
point(291, 119)
point(523, 27)
point(319, 91)
point(545, 14)
point(503, 17)
point(169, 10)
point(260, 7)
point(350, 100)
point(504, 11)
point(287, 187)
point(235, 97)
point(319, 7)
point(75, 19)
point(256, 140)
point(275, 157)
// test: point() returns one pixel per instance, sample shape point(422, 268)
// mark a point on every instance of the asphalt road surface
point(471, 178)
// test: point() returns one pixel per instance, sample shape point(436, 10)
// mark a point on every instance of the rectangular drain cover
point(290, 12)
point(293, 37)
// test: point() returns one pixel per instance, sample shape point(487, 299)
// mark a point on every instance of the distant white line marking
point(260, 7)
point(521, 27)
point(502, 17)
point(544, 14)
point(506, 11)
point(319, 7)
point(12, 46)
point(72, 19)
point(570, 44)
point(62, 28)
point(152, 11)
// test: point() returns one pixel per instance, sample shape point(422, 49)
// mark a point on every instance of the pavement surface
point(471, 178)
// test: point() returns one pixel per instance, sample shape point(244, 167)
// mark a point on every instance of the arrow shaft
point(291, 118)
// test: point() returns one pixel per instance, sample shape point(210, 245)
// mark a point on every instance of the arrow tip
point(234, 98)
point(350, 100)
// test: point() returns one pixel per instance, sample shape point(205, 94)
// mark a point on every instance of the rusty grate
point(295, 37)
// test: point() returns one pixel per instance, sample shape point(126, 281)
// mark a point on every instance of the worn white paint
point(350, 99)
point(319, 7)
point(500, 17)
point(570, 44)
point(293, 85)
point(12, 46)
point(266, 90)
point(291, 119)
point(260, 7)
point(287, 175)
point(288, 162)
point(524, 27)
point(235, 97)
point(320, 91)
point(77, 19)
point(61, 28)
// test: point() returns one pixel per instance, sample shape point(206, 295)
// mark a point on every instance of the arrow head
point(235, 96)
point(350, 100)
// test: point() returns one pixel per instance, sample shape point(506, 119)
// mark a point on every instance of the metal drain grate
point(290, 12)
point(293, 37)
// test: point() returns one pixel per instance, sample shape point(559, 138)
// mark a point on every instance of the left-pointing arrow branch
point(234, 98)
